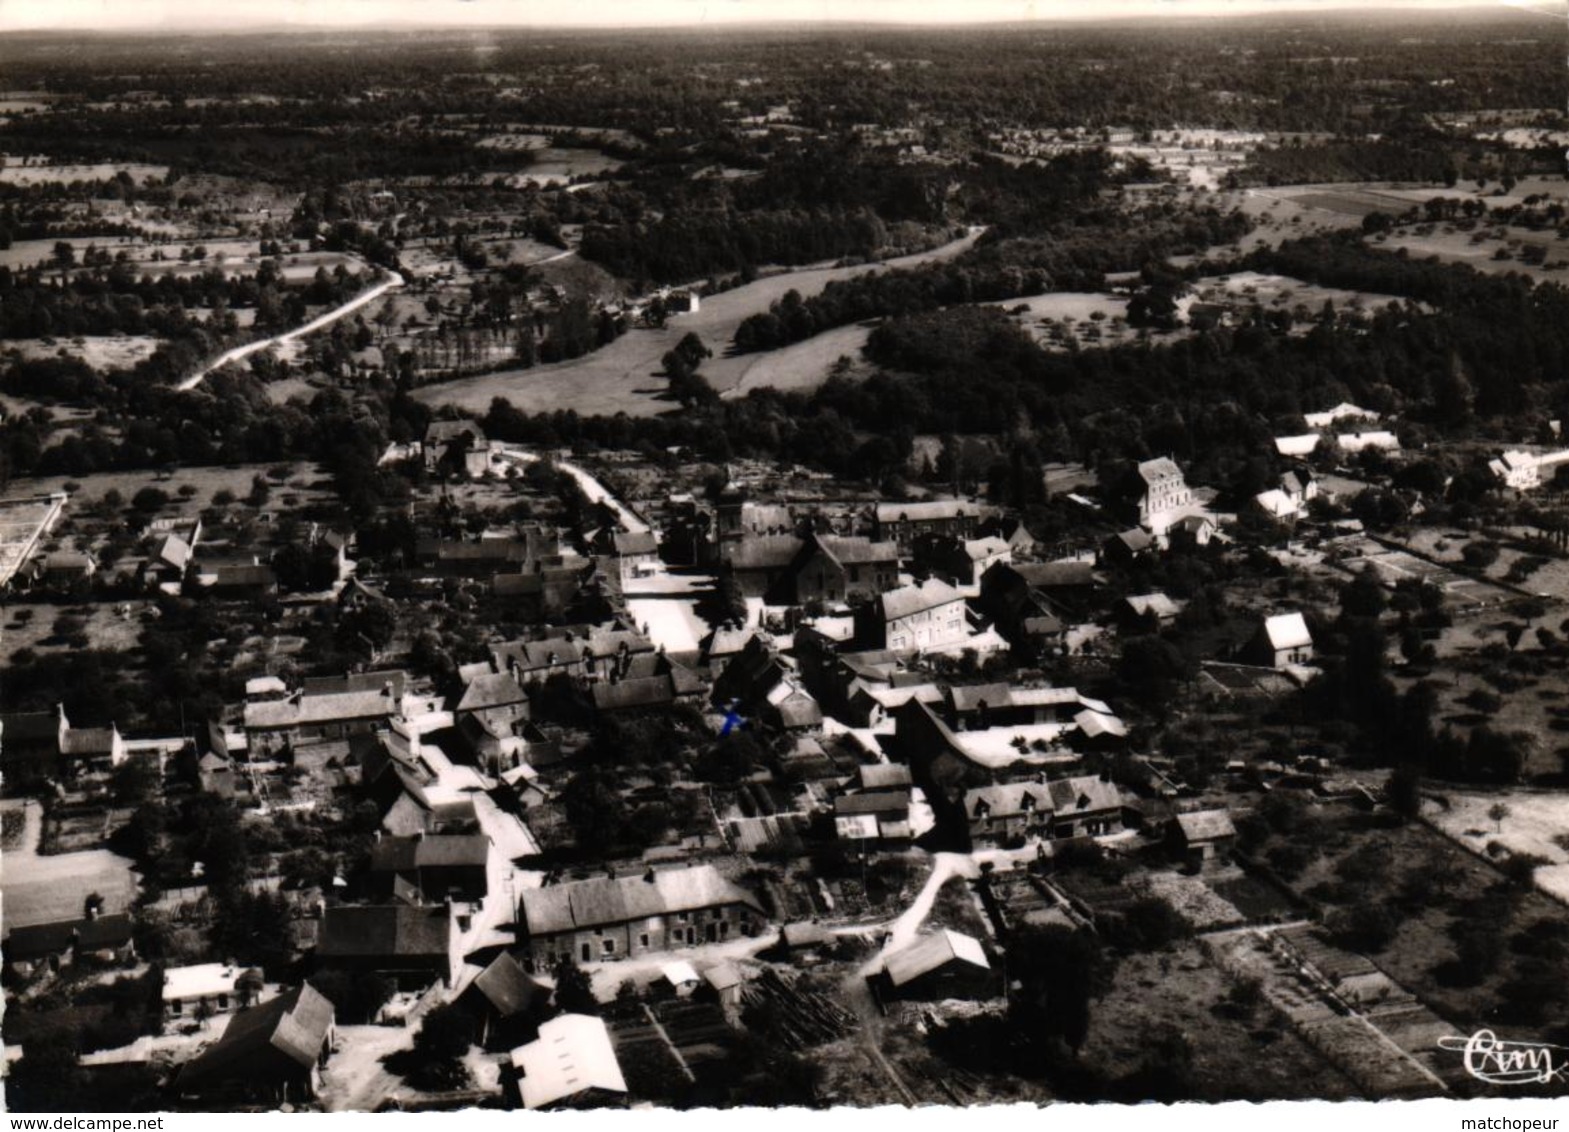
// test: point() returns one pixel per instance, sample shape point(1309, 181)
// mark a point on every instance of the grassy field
point(624, 376)
point(304, 480)
point(1536, 823)
point(64, 174)
point(1235, 1055)
point(120, 352)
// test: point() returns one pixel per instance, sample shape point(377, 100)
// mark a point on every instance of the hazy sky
point(173, 14)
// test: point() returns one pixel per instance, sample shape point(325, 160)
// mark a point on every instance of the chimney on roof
point(386, 689)
point(648, 877)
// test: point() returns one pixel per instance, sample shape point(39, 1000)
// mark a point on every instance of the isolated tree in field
point(1497, 812)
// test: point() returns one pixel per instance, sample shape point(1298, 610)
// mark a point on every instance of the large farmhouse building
point(617, 917)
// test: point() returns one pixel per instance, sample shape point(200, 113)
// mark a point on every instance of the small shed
point(946, 964)
point(1202, 835)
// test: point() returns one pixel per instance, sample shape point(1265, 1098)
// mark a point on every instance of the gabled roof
point(1206, 825)
point(1085, 794)
point(1006, 798)
point(1052, 575)
point(38, 941)
point(175, 551)
point(572, 1054)
point(89, 740)
point(1095, 724)
point(495, 689)
point(295, 1024)
point(884, 776)
point(1297, 445)
point(857, 551)
point(265, 686)
point(358, 682)
point(908, 600)
point(1287, 631)
point(637, 692)
point(724, 975)
point(1153, 603)
point(385, 931)
point(1135, 539)
point(303, 710)
point(444, 432)
point(763, 552)
point(1275, 502)
point(977, 549)
point(932, 952)
point(433, 851)
point(1339, 412)
point(254, 575)
point(506, 986)
point(928, 511)
point(635, 542)
point(605, 900)
point(875, 802)
point(1159, 469)
point(968, 698)
point(29, 727)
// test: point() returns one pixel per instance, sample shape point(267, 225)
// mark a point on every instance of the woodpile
point(793, 1015)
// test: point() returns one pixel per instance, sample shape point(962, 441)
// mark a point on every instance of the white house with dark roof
point(930, 616)
point(1166, 496)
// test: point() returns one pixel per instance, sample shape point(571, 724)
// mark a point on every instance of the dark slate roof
point(606, 900)
point(385, 931)
point(1053, 575)
point(878, 802)
point(763, 552)
point(42, 940)
point(399, 854)
point(29, 727)
point(507, 987)
point(492, 690)
point(295, 1024)
point(638, 692)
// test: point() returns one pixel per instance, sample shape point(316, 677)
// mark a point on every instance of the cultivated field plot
point(1464, 594)
point(624, 376)
point(1200, 906)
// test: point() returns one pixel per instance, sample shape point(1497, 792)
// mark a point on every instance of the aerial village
point(626, 781)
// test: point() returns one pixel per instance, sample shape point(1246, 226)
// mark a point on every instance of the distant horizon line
point(1139, 11)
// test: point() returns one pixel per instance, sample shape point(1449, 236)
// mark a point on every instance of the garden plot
point(1200, 907)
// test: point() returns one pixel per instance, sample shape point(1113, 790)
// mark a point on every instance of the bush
point(150, 499)
point(1363, 927)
